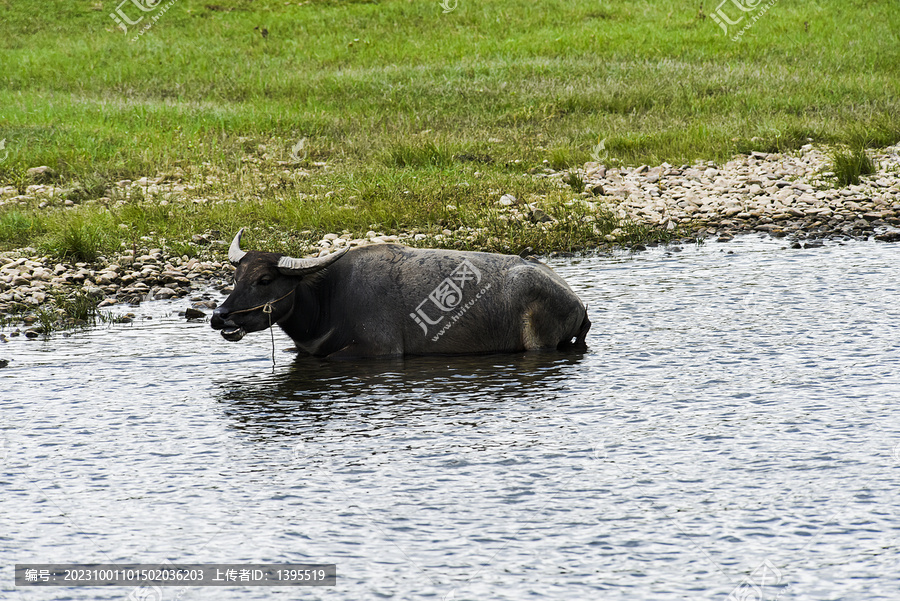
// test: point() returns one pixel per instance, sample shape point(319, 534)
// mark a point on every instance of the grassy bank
point(424, 117)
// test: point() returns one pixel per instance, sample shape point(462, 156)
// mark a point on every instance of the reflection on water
point(732, 429)
point(313, 391)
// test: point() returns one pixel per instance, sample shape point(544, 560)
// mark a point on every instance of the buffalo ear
point(295, 267)
point(235, 254)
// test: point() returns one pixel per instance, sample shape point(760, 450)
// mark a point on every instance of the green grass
point(574, 180)
point(18, 228)
point(849, 164)
point(76, 239)
point(63, 310)
point(405, 103)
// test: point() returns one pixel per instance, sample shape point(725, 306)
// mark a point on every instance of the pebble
point(31, 280)
point(42, 174)
point(777, 193)
point(539, 216)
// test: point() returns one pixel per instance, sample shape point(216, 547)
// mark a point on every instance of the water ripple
point(734, 419)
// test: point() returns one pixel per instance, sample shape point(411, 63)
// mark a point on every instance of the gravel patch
point(782, 194)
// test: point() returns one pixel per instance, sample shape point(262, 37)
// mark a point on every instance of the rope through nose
point(267, 309)
point(267, 304)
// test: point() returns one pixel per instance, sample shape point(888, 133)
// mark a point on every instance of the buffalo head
point(265, 286)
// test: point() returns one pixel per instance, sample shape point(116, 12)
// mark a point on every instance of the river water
point(734, 428)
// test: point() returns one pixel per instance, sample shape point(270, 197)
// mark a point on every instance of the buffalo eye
point(264, 281)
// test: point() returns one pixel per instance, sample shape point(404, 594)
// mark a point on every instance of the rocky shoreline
point(780, 194)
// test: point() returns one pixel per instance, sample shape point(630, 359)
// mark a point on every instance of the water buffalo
point(392, 300)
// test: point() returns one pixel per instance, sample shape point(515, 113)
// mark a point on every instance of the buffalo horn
point(292, 266)
point(235, 254)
